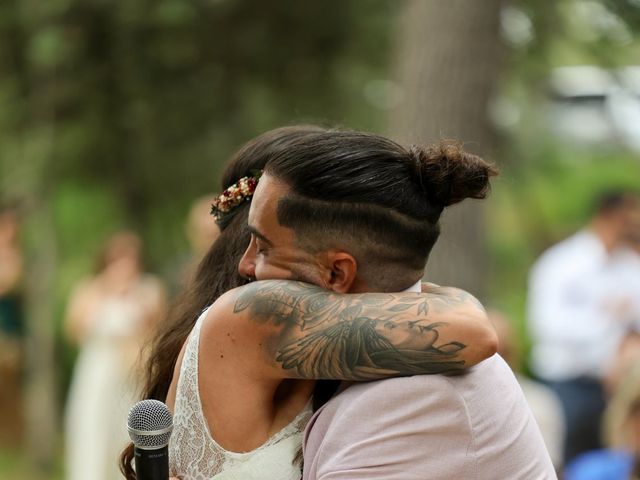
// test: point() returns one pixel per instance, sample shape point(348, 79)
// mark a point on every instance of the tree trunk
point(30, 185)
point(33, 185)
point(41, 388)
point(40, 254)
point(448, 60)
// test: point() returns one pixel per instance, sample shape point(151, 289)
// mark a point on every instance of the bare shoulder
point(232, 339)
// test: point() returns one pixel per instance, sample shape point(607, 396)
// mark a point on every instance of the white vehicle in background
point(590, 105)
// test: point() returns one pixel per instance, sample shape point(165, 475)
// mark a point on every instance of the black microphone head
point(150, 424)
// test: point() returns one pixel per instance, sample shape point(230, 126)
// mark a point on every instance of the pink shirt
point(472, 426)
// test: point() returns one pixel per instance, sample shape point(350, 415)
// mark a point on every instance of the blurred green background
point(120, 114)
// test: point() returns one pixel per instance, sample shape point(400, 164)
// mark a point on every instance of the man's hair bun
point(448, 174)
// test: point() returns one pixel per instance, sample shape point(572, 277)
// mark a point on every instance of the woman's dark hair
point(377, 198)
point(216, 274)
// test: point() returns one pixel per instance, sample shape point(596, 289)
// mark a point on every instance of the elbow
point(485, 344)
point(491, 343)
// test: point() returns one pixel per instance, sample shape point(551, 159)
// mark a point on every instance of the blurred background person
point(627, 357)
point(626, 265)
point(11, 328)
point(201, 232)
point(109, 316)
point(580, 306)
point(544, 403)
point(621, 429)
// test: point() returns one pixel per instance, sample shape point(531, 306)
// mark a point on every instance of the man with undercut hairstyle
point(355, 212)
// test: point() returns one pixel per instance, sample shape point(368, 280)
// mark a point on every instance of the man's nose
point(247, 265)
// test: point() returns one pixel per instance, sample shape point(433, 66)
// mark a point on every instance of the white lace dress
point(195, 455)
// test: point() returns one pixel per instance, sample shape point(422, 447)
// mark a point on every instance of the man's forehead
point(272, 185)
point(265, 199)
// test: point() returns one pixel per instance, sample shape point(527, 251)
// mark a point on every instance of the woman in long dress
point(109, 317)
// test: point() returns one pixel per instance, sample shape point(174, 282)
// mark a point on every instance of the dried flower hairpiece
point(239, 192)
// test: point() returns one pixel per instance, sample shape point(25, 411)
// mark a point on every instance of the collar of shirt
point(416, 287)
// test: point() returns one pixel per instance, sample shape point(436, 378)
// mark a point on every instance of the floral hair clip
point(239, 192)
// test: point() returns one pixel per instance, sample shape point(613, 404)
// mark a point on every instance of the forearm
point(321, 334)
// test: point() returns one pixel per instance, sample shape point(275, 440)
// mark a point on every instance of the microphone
point(150, 424)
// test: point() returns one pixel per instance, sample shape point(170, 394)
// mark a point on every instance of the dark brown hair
point(216, 274)
point(377, 199)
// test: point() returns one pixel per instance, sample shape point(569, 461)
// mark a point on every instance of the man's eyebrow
point(254, 231)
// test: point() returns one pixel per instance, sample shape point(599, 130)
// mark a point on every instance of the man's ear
point(342, 270)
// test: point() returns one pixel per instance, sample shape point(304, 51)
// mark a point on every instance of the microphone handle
point(152, 464)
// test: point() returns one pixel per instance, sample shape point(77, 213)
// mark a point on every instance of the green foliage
point(146, 100)
point(14, 466)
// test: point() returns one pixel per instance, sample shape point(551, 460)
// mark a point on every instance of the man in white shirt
point(579, 309)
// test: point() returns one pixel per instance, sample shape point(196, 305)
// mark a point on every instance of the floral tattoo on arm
point(324, 335)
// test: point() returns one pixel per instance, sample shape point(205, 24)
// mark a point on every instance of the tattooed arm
point(308, 332)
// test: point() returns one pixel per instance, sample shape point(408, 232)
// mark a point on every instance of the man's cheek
point(271, 272)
